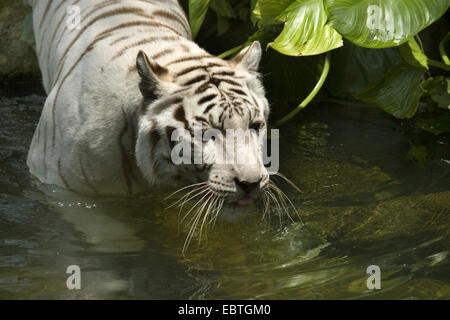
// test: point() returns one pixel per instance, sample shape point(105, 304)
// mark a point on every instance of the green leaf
point(430, 84)
point(197, 14)
point(253, 17)
point(385, 23)
point(222, 8)
point(436, 125)
point(413, 54)
point(354, 68)
point(267, 11)
point(441, 94)
point(222, 25)
point(398, 93)
point(306, 31)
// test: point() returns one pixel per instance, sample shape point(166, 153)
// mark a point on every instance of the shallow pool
point(368, 200)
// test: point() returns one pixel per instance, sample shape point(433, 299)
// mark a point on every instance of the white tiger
point(121, 82)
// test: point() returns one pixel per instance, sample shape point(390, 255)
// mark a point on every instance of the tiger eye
point(256, 126)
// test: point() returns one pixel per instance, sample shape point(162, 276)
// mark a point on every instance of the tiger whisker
point(187, 200)
point(277, 174)
point(274, 199)
point(187, 195)
point(195, 205)
point(266, 201)
point(195, 219)
point(212, 200)
point(193, 223)
point(218, 208)
point(281, 197)
point(184, 188)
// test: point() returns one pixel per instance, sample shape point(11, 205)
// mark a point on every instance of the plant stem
point(319, 84)
point(438, 64)
point(442, 49)
point(231, 52)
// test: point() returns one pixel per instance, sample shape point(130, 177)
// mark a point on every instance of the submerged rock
point(17, 56)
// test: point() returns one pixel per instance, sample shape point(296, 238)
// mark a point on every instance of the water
point(366, 201)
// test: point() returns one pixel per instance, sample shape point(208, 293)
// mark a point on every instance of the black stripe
point(201, 119)
point(38, 132)
point(184, 59)
point(44, 16)
point(111, 13)
point(85, 177)
point(44, 158)
point(195, 80)
point(169, 132)
point(42, 32)
point(207, 98)
point(189, 69)
point(202, 88)
point(180, 115)
point(96, 8)
point(58, 6)
point(173, 17)
point(119, 39)
point(222, 118)
point(62, 178)
point(229, 81)
point(107, 33)
point(223, 73)
point(58, 26)
point(86, 51)
point(141, 42)
point(239, 110)
point(255, 102)
point(215, 64)
point(238, 91)
point(162, 53)
point(209, 107)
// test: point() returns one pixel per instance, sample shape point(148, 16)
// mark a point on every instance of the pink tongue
point(245, 201)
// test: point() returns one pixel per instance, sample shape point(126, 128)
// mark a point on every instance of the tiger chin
point(121, 83)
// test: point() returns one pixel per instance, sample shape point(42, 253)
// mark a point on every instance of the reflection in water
point(365, 203)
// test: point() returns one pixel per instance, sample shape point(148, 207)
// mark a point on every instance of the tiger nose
point(247, 186)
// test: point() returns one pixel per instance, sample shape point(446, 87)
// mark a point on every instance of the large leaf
point(413, 54)
point(398, 93)
point(267, 11)
point(354, 68)
point(197, 14)
point(435, 125)
point(306, 31)
point(441, 94)
point(222, 8)
point(383, 23)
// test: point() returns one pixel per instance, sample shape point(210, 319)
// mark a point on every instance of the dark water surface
point(368, 200)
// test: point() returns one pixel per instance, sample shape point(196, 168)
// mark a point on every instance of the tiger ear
point(249, 57)
point(152, 75)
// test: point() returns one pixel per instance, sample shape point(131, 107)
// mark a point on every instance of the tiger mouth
point(245, 201)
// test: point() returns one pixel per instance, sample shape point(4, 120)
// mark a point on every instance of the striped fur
point(120, 84)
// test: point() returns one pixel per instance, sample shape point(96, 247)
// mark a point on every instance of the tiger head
point(216, 98)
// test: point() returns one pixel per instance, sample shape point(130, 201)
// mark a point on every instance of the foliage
point(398, 77)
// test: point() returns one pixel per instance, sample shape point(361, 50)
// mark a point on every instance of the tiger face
point(218, 109)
